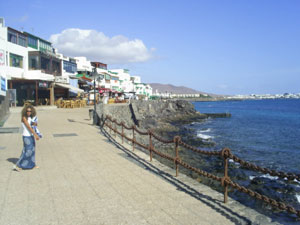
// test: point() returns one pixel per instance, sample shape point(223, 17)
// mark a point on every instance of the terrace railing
point(225, 154)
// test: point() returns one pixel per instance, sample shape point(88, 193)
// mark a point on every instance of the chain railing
point(225, 154)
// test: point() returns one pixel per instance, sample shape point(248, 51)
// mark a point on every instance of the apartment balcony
point(38, 75)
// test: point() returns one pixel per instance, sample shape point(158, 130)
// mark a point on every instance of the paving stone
point(86, 179)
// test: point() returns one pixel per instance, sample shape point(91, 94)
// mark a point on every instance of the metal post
point(115, 122)
point(176, 141)
point(122, 133)
point(36, 93)
point(225, 154)
point(110, 126)
point(150, 145)
point(94, 116)
point(133, 137)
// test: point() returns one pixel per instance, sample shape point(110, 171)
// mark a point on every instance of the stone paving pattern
point(90, 179)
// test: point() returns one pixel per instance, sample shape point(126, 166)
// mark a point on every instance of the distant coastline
point(215, 99)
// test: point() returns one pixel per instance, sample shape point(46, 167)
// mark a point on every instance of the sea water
point(264, 132)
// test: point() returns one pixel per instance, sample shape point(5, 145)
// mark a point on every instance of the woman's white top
point(26, 132)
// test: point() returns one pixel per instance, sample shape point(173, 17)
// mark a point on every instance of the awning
point(83, 77)
point(70, 87)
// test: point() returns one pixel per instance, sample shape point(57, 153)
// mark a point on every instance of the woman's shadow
point(12, 160)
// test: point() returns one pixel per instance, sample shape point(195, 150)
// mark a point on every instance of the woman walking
point(27, 159)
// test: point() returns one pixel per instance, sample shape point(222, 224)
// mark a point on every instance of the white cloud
point(97, 46)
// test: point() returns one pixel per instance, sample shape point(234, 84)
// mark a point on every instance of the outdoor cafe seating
point(77, 103)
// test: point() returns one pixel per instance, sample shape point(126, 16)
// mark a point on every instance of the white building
point(22, 70)
point(3, 60)
point(143, 89)
point(39, 74)
point(31, 66)
point(125, 83)
point(83, 64)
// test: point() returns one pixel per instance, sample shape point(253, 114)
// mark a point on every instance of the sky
point(215, 46)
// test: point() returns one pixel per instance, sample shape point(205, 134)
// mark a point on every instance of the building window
point(70, 67)
point(45, 46)
point(45, 64)
point(17, 38)
point(15, 60)
point(33, 62)
point(22, 40)
point(56, 68)
point(32, 42)
point(3, 84)
point(12, 36)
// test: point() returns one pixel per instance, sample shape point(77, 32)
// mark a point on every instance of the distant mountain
point(162, 88)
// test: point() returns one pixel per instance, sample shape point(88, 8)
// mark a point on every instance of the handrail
point(224, 154)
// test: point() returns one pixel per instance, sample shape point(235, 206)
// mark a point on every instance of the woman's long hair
point(24, 111)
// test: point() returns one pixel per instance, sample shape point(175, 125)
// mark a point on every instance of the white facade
point(102, 83)
point(135, 79)
point(8, 68)
point(83, 64)
point(124, 79)
point(115, 83)
point(7, 49)
point(3, 61)
point(24, 56)
point(143, 89)
point(66, 73)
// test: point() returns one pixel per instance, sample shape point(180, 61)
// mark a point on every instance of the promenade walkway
point(85, 178)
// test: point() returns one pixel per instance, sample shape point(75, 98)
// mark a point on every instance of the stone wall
point(162, 116)
point(149, 114)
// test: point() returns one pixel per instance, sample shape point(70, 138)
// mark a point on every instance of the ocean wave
point(297, 197)
point(204, 136)
point(205, 130)
point(268, 176)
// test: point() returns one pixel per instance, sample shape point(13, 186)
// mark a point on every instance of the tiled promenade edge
point(87, 179)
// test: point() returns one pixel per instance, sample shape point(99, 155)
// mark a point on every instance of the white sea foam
point(296, 181)
point(204, 136)
point(206, 130)
point(298, 197)
point(268, 176)
point(251, 177)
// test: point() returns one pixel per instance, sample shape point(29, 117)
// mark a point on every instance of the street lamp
point(95, 75)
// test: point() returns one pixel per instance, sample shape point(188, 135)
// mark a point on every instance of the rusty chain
point(181, 143)
point(289, 176)
point(141, 132)
point(224, 153)
point(162, 155)
point(162, 140)
point(201, 172)
point(119, 124)
point(270, 201)
point(127, 128)
point(141, 145)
